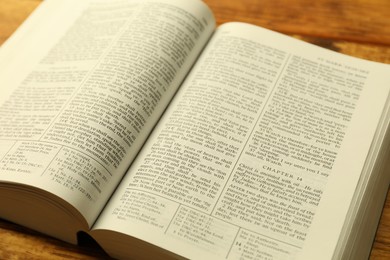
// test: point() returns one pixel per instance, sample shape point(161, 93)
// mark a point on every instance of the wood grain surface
point(359, 28)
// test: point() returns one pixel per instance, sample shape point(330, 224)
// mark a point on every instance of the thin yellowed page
point(260, 135)
point(82, 85)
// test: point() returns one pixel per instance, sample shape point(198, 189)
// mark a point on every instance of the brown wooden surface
point(356, 27)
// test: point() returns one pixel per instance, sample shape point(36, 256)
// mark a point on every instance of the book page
point(254, 139)
point(83, 83)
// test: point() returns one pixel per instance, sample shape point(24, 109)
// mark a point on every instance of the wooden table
point(356, 27)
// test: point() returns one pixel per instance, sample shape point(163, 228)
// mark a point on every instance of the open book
point(160, 135)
